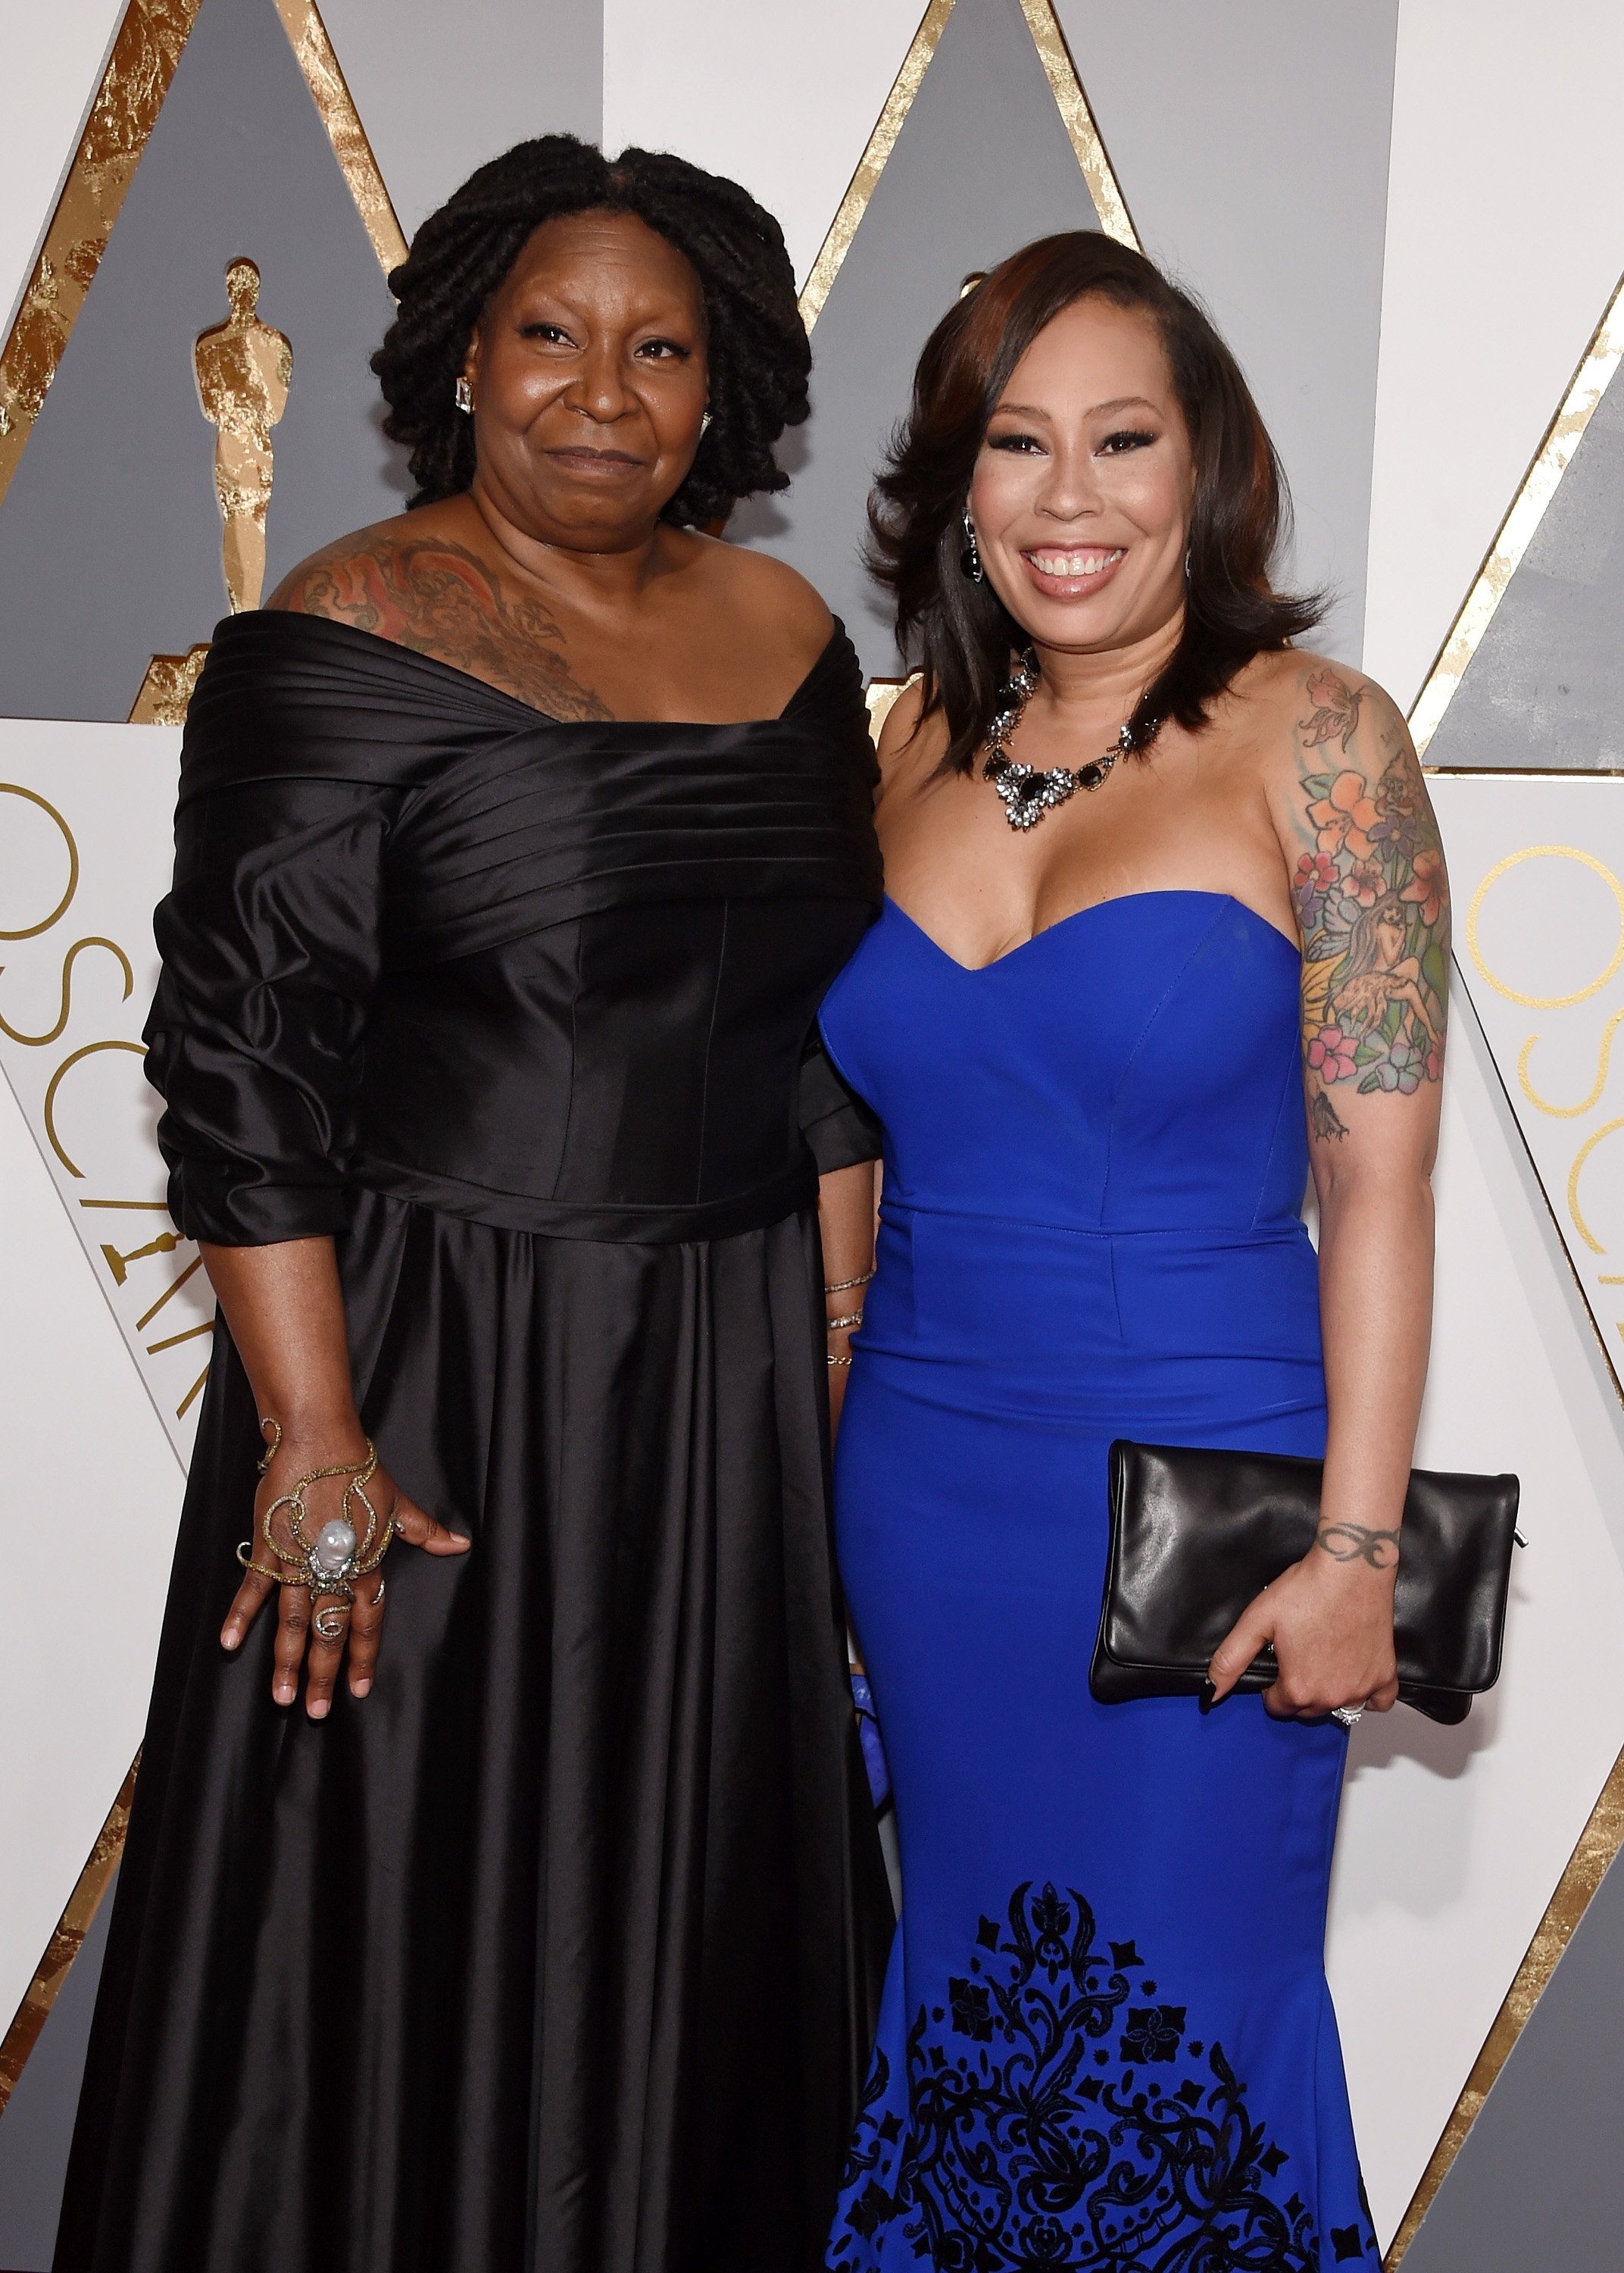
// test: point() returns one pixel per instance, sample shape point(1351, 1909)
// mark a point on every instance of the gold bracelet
point(331, 1562)
point(839, 1361)
point(839, 1325)
point(845, 1286)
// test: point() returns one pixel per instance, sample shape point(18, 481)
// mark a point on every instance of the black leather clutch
point(1195, 1535)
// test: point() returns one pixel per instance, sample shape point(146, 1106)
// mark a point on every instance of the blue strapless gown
point(1106, 2040)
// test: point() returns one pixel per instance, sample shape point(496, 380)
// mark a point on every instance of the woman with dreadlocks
point(517, 840)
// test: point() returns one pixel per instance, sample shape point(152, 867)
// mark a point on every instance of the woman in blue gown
point(1181, 937)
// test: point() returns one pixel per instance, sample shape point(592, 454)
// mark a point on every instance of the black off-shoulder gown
point(559, 1952)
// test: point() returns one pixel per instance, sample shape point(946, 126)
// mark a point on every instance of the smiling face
point(589, 379)
point(1081, 492)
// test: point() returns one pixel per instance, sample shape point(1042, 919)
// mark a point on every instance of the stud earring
point(970, 560)
point(465, 396)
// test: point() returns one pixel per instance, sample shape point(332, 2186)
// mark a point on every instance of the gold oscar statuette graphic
point(244, 370)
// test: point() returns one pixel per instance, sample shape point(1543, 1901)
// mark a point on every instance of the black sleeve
point(270, 947)
point(836, 1124)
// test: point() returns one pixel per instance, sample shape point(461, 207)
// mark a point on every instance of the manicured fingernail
point(317, 1708)
point(283, 1692)
point(359, 1688)
point(1208, 1697)
point(228, 1639)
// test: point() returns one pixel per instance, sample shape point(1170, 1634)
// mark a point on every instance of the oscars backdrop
point(185, 410)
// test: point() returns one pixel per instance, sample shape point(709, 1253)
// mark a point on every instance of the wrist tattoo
point(1356, 1542)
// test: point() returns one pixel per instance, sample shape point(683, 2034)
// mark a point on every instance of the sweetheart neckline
point(1095, 908)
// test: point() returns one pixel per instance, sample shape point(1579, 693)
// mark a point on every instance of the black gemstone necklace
point(1029, 792)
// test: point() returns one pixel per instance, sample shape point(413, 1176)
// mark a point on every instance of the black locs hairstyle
point(757, 352)
point(960, 632)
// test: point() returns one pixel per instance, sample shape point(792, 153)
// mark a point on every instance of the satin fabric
point(559, 1952)
point(1106, 2041)
point(555, 977)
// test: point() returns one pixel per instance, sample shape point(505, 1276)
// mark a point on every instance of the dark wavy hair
point(757, 352)
point(959, 633)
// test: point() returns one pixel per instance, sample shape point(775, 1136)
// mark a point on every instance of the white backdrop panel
point(86, 850)
point(54, 61)
point(1452, 1839)
point(439, 92)
point(782, 99)
point(1537, 866)
point(1505, 234)
point(92, 1482)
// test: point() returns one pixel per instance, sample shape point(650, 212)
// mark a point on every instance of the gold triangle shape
point(146, 51)
point(65, 1943)
point(1073, 103)
point(1523, 515)
point(140, 68)
point(330, 92)
point(1070, 100)
point(1587, 1866)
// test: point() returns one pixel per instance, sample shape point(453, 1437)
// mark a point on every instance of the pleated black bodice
point(551, 977)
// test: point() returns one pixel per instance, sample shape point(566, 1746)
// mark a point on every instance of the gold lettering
point(1501, 868)
point(38, 1041)
point(33, 931)
point(1570, 1112)
point(1579, 1159)
point(173, 1287)
point(190, 1335)
point(90, 1050)
point(180, 1410)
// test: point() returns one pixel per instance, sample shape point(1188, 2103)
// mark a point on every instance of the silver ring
point(378, 1597)
point(331, 1624)
point(1348, 1713)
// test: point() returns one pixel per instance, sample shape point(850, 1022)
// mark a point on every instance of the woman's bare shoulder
point(769, 600)
point(336, 582)
point(423, 582)
point(382, 577)
point(1300, 699)
point(1343, 784)
point(910, 743)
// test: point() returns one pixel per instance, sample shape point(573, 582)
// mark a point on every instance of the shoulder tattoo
point(439, 599)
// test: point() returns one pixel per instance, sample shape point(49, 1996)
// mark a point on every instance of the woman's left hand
point(1330, 1621)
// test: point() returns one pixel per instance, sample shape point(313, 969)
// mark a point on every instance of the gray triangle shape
point(110, 533)
point(982, 164)
point(1545, 687)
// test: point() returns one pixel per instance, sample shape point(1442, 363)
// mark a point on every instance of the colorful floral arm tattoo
point(1372, 902)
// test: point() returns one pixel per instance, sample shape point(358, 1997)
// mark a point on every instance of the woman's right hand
point(296, 1456)
point(1329, 1621)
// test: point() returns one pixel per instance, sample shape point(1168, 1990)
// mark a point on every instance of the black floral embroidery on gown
point(1062, 2118)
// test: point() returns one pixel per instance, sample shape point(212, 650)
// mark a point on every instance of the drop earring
point(464, 394)
point(970, 560)
point(703, 424)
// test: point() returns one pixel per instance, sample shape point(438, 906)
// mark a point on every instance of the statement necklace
point(1029, 791)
